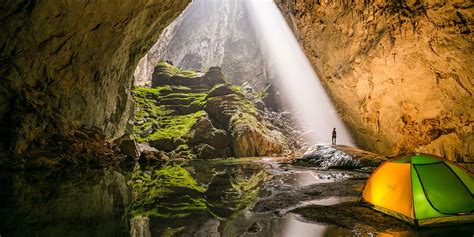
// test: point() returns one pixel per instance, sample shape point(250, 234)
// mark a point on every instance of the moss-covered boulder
point(171, 119)
point(192, 116)
point(250, 134)
point(167, 74)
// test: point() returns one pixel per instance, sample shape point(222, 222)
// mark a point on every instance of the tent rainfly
point(421, 189)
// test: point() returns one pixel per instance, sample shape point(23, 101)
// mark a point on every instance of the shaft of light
point(297, 80)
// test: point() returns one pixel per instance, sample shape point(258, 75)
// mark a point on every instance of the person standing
point(334, 136)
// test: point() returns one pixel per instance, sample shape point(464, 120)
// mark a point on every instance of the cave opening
point(223, 67)
point(214, 118)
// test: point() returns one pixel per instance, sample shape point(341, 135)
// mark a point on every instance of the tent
point(422, 190)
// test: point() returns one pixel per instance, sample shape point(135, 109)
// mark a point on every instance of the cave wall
point(66, 64)
point(209, 33)
point(399, 72)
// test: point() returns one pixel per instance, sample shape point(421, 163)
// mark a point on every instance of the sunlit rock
point(339, 156)
point(399, 72)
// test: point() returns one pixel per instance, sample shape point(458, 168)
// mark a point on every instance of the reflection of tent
point(422, 190)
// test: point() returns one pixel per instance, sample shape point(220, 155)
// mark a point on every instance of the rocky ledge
point(194, 115)
point(339, 156)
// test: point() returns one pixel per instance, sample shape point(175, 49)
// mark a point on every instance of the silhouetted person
point(334, 136)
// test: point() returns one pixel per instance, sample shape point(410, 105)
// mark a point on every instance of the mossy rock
point(167, 74)
point(191, 123)
point(153, 192)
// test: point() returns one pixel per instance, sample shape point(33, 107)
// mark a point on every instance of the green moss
point(262, 93)
point(143, 92)
point(155, 122)
point(174, 126)
point(183, 151)
point(155, 193)
point(166, 70)
point(236, 88)
point(247, 188)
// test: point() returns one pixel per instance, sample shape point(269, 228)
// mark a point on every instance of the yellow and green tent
point(422, 190)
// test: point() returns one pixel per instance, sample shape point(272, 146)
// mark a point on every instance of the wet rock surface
point(399, 72)
point(339, 156)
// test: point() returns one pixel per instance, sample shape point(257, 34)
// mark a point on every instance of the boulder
point(204, 132)
point(339, 156)
point(220, 90)
point(214, 76)
point(151, 155)
point(204, 151)
point(167, 74)
point(130, 149)
point(166, 144)
point(252, 138)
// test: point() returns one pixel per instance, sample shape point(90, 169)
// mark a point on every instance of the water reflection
point(197, 198)
point(64, 203)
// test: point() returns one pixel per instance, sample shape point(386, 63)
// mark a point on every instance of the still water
point(196, 198)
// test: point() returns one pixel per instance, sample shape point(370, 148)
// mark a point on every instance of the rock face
point(340, 156)
point(399, 72)
point(192, 116)
point(209, 33)
point(67, 64)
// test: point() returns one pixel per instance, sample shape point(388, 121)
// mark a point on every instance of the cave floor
point(221, 197)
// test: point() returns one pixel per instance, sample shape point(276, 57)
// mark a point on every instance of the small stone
point(255, 228)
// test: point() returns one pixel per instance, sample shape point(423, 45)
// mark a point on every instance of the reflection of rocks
point(349, 214)
point(340, 156)
point(285, 199)
point(234, 190)
point(64, 203)
point(173, 193)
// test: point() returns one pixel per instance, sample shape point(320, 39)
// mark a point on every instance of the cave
point(232, 117)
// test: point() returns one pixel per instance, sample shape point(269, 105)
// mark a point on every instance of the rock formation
point(340, 156)
point(69, 64)
point(192, 115)
point(399, 72)
point(209, 33)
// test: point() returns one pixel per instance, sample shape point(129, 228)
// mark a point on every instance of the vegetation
point(246, 188)
point(169, 192)
point(263, 93)
point(174, 126)
point(167, 70)
point(155, 121)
